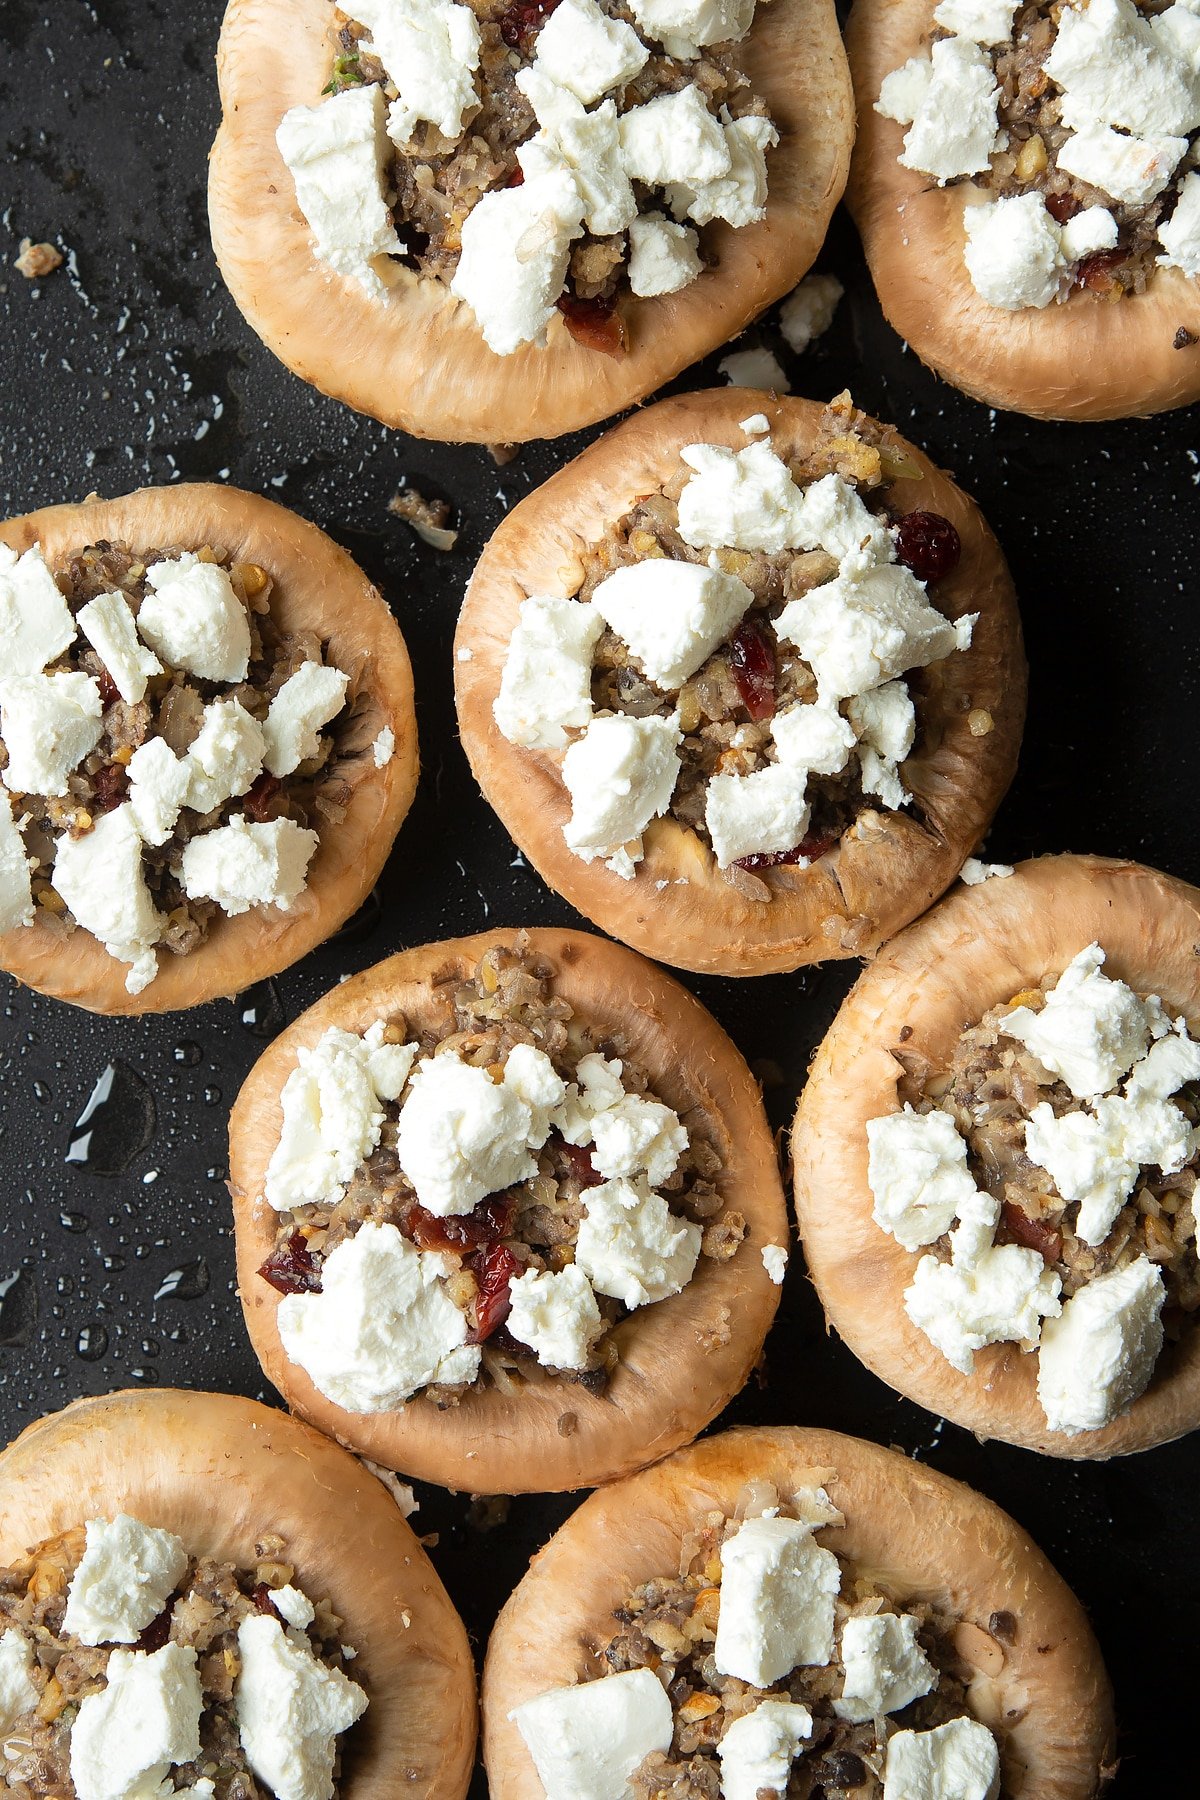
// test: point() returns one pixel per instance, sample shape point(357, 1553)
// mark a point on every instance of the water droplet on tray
point(187, 1282)
point(73, 1221)
point(261, 1010)
point(18, 1307)
point(188, 1053)
point(116, 1124)
point(91, 1343)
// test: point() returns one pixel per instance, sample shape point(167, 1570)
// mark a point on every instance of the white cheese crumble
point(954, 130)
point(1115, 70)
point(18, 1694)
point(384, 748)
point(584, 147)
point(290, 1710)
point(983, 21)
point(240, 865)
point(765, 813)
point(127, 1737)
point(674, 138)
point(1095, 1157)
point(684, 27)
point(885, 1666)
point(100, 876)
point(1131, 170)
point(741, 498)
point(1091, 1030)
point(192, 618)
point(226, 756)
point(1180, 234)
point(973, 871)
point(814, 738)
point(587, 1741)
point(757, 425)
point(755, 369)
point(309, 699)
point(107, 624)
point(739, 196)
point(35, 621)
point(917, 1173)
point(775, 1262)
point(556, 1316)
point(956, 1761)
point(808, 311)
point(383, 1325)
point(663, 256)
point(295, 1606)
point(902, 91)
point(49, 723)
point(858, 631)
point(430, 49)
point(672, 615)
point(620, 775)
point(886, 722)
point(124, 1577)
point(462, 1136)
point(1013, 252)
point(1167, 1065)
point(778, 1588)
point(585, 51)
point(16, 887)
point(333, 1113)
point(1099, 1354)
point(995, 1295)
point(637, 1137)
point(546, 683)
point(335, 154)
point(516, 243)
point(632, 1246)
point(1091, 230)
point(159, 783)
point(758, 1749)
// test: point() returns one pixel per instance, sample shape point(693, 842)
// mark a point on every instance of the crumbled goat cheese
point(674, 138)
point(954, 129)
point(240, 865)
point(534, 1079)
point(290, 1710)
point(778, 1588)
point(886, 722)
point(107, 624)
point(1091, 1030)
point(758, 1749)
point(637, 1137)
point(1180, 234)
point(902, 92)
point(49, 723)
point(765, 813)
point(973, 871)
point(462, 1136)
point(332, 1113)
point(1090, 230)
point(885, 1666)
point(1013, 252)
point(741, 499)
point(775, 1261)
point(159, 783)
point(584, 147)
point(620, 775)
point(596, 1087)
point(309, 699)
point(144, 1720)
point(16, 887)
point(632, 1246)
point(430, 49)
point(100, 877)
point(1178, 30)
point(295, 1607)
point(1166, 1067)
point(856, 632)
point(757, 425)
point(684, 27)
point(193, 619)
point(556, 1316)
point(585, 51)
point(813, 737)
point(546, 684)
point(834, 518)
point(998, 1295)
point(1095, 1158)
point(663, 256)
point(384, 748)
point(1131, 170)
point(754, 369)
point(672, 615)
point(226, 757)
point(739, 196)
point(1099, 1355)
point(917, 1173)
point(1115, 70)
point(124, 1577)
point(516, 243)
point(335, 154)
point(35, 621)
point(956, 1761)
point(808, 311)
point(383, 1325)
point(17, 1691)
point(983, 21)
point(587, 1741)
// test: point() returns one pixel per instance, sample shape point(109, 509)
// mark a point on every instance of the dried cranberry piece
point(810, 847)
point(1098, 273)
point(928, 544)
point(259, 801)
point(596, 324)
point(493, 1268)
point(580, 1159)
point(752, 661)
point(261, 1596)
point(1034, 1234)
point(157, 1631)
point(523, 19)
point(292, 1269)
point(491, 1220)
point(109, 691)
point(1062, 207)
point(108, 786)
point(517, 178)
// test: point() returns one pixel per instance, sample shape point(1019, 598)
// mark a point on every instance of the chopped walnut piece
point(427, 517)
point(36, 260)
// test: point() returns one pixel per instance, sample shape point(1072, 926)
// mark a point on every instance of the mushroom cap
point(975, 950)
point(681, 1359)
point(416, 358)
point(680, 908)
point(221, 1472)
point(318, 588)
point(909, 1528)
point(1088, 358)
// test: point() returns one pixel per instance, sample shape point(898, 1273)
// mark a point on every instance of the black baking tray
point(131, 365)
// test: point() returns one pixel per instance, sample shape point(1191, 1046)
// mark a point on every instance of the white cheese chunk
point(740, 499)
point(1131, 170)
point(983, 21)
point(1091, 1030)
point(516, 243)
point(462, 1136)
point(975, 1229)
point(1170, 1063)
point(159, 783)
point(672, 615)
point(1116, 71)
point(954, 129)
point(18, 1691)
point(309, 699)
point(1091, 230)
point(814, 738)
point(902, 92)
point(917, 1173)
point(1013, 252)
point(663, 256)
point(384, 748)
point(886, 722)
point(295, 1607)
point(335, 153)
point(192, 618)
point(998, 1295)
point(758, 368)
point(674, 138)
point(885, 1666)
point(291, 1708)
point(100, 876)
point(107, 624)
point(584, 50)
point(587, 1741)
point(226, 756)
point(808, 311)
point(1095, 1157)
point(778, 1588)
point(16, 887)
point(546, 684)
point(35, 621)
point(620, 775)
point(49, 723)
point(684, 27)
point(383, 1325)
point(430, 49)
point(973, 871)
point(859, 632)
point(758, 1749)
point(127, 1737)
point(739, 195)
point(775, 1262)
point(834, 518)
point(1099, 1355)
point(1178, 31)
point(637, 1137)
point(765, 813)
point(124, 1578)
point(240, 865)
point(584, 147)
point(632, 1246)
point(956, 1761)
point(1180, 234)
point(332, 1114)
point(597, 1085)
point(556, 1316)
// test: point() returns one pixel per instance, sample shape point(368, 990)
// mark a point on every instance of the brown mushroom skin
point(976, 950)
point(221, 1472)
point(679, 907)
point(1089, 358)
point(907, 1527)
point(318, 588)
point(417, 359)
point(554, 1434)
